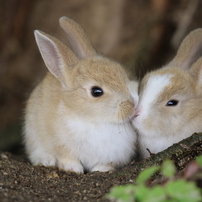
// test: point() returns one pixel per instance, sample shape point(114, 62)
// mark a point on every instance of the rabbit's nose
point(137, 113)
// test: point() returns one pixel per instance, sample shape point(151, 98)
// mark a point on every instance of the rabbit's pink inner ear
point(49, 53)
point(57, 57)
point(78, 39)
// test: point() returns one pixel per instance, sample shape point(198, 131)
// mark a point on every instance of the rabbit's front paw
point(70, 165)
point(102, 167)
point(43, 159)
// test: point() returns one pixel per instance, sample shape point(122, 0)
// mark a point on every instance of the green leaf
point(155, 194)
point(140, 192)
point(183, 191)
point(146, 174)
point(199, 160)
point(123, 193)
point(168, 168)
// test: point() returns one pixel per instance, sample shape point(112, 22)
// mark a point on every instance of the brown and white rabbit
point(78, 117)
point(170, 99)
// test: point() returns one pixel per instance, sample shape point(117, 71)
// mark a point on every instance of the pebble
point(3, 156)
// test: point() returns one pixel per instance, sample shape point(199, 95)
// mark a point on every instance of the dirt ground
point(20, 181)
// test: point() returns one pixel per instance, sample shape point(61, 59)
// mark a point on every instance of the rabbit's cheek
point(149, 124)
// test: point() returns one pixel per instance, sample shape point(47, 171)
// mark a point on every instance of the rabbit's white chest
point(99, 143)
point(159, 142)
point(154, 144)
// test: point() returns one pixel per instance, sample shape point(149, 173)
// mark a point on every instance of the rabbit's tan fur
point(159, 125)
point(65, 126)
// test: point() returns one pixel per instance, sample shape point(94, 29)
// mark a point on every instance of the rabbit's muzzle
point(126, 110)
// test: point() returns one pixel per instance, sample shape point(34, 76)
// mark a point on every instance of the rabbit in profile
point(79, 117)
point(170, 99)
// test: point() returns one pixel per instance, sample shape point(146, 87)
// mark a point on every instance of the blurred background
point(141, 34)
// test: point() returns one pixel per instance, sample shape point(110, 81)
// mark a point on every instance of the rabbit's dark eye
point(96, 91)
point(172, 103)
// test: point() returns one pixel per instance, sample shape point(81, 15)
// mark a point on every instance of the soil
point(20, 181)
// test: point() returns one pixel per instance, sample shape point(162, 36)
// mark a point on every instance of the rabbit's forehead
point(104, 74)
point(154, 87)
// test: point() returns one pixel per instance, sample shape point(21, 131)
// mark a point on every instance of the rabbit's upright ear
point(57, 57)
point(189, 51)
point(196, 72)
point(78, 40)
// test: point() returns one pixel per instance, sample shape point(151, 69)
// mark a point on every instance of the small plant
point(173, 190)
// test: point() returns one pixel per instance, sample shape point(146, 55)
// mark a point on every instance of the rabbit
point(79, 117)
point(170, 99)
